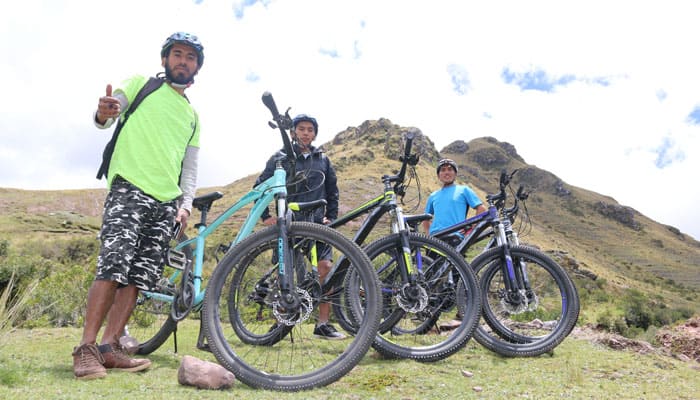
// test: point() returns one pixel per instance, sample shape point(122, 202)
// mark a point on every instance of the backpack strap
point(151, 86)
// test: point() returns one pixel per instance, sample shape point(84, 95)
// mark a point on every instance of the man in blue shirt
point(450, 204)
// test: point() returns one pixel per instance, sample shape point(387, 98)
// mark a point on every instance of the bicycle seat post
point(203, 217)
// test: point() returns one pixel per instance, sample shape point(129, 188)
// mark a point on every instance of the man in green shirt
point(151, 179)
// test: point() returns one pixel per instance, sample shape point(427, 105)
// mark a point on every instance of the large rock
point(204, 374)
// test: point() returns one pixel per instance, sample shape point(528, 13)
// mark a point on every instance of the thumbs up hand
point(108, 107)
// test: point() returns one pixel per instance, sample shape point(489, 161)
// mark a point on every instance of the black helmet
point(186, 39)
point(446, 161)
point(304, 117)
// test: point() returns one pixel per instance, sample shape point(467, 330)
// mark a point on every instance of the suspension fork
point(407, 269)
point(510, 275)
point(520, 265)
point(285, 255)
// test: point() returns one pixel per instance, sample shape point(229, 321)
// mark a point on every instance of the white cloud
point(630, 84)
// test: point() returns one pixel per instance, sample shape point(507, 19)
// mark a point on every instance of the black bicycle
point(530, 303)
point(420, 278)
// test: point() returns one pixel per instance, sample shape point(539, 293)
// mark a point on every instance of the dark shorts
point(324, 252)
point(135, 235)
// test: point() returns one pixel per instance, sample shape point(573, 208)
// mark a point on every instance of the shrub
point(642, 313)
point(637, 313)
point(620, 326)
point(60, 299)
point(24, 269)
point(79, 249)
point(605, 321)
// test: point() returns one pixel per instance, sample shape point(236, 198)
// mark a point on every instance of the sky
point(604, 94)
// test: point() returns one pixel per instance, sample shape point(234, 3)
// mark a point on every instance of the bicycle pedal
point(177, 259)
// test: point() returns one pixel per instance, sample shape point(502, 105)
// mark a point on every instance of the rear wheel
point(154, 318)
point(243, 313)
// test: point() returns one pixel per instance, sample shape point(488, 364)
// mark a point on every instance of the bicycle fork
point(518, 293)
point(292, 304)
point(412, 297)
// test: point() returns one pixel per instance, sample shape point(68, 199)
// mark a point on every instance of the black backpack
point(151, 86)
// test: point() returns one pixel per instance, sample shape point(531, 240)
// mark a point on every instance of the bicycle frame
point(501, 232)
point(262, 195)
point(387, 203)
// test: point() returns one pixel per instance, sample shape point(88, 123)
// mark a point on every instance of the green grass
point(36, 364)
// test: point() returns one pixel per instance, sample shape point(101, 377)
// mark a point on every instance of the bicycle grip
point(270, 104)
point(410, 135)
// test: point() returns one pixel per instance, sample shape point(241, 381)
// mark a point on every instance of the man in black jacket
point(320, 183)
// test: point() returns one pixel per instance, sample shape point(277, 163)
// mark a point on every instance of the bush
point(605, 321)
point(60, 299)
point(79, 249)
point(637, 312)
point(620, 326)
point(642, 313)
point(23, 268)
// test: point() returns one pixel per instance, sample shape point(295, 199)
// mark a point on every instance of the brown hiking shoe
point(116, 357)
point(87, 362)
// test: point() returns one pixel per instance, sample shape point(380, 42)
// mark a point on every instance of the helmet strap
point(179, 85)
point(163, 75)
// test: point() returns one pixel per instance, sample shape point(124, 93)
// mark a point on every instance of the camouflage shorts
point(136, 232)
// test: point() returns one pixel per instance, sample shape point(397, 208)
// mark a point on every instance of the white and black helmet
point(447, 161)
point(186, 39)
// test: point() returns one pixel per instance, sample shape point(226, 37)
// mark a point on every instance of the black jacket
point(320, 182)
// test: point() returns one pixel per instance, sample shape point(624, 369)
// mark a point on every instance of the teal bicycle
point(261, 286)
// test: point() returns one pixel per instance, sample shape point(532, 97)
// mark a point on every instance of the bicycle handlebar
point(406, 159)
point(410, 135)
point(283, 122)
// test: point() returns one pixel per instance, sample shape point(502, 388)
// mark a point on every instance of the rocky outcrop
point(621, 214)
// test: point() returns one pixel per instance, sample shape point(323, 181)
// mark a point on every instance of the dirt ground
point(682, 341)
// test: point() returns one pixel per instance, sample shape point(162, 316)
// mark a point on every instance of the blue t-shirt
point(449, 205)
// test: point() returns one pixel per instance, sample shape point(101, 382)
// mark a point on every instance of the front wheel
point(269, 346)
point(533, 318)
point(418, 319)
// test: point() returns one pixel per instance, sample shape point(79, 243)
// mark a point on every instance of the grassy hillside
point(612, 250)
point(626, 266)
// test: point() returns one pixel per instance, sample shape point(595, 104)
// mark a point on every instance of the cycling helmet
point(446, 161)
point(187, 39)
point(304, 117)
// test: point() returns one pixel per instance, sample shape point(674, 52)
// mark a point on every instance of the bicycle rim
point(150, 324)
point(535, 322)
point(242, 317)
